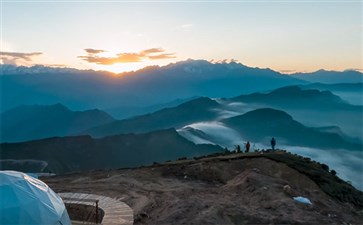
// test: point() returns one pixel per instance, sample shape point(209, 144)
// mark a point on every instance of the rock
point(256, 170)
point(287, 189)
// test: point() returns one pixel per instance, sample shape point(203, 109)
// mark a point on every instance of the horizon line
point(224, 61)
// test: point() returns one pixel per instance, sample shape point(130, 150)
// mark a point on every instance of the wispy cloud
point(186, 26)
point(162, 56)
point(126, 57)
point(152, 50)
point(93, 51)
point(13, 57)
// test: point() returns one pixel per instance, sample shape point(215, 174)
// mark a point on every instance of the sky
point(117, 36)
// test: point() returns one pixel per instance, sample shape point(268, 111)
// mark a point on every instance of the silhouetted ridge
point(29, 122)
point(196, 110)
point(298, 92)
point(264, 114)
point(295, 96)
point(324, 76)
point(77, 153)
point(199, 102)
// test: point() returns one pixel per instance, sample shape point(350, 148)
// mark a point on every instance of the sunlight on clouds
point(128, 67)
point(18, 58)
point(99, 57)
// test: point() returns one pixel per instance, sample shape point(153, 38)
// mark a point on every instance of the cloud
point(14, 57)
point(8, 61)
point(217, 132)
point(186, 26)
point(127, 57)
point(162, 56)
point(152, 50)
point(93, 51)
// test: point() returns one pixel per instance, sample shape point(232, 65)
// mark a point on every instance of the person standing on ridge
point(248, 146)
point(273, 143)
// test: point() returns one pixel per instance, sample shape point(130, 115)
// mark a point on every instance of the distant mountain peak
point(200, 102)
point(297, 91)
point(263, 113)
point(293, 88)
point(59, 106)
point(331, 77)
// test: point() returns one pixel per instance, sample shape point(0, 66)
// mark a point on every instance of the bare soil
point(217, 190)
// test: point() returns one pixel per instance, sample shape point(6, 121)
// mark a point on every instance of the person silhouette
point(248, 145)
point(273, 143)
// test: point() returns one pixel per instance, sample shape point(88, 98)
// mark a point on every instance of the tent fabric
point(302, 200)
point(27, 200)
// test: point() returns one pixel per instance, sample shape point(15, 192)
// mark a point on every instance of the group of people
point(273, 144)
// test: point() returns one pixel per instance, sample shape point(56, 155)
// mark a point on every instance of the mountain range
point(57, 120)
point(323, 105)
point(146, 87)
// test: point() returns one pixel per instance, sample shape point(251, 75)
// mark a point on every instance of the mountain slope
point(34, 122)
point(192, 111)
point(262, 124)
point(85, 153)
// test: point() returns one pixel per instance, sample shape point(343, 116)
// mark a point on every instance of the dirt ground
point(239, 191)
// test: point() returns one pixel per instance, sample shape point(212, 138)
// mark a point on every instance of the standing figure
point(238, 149)
point(248, 146)
point(273, 143)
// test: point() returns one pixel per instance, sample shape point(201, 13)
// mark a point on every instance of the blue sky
point(282, 35)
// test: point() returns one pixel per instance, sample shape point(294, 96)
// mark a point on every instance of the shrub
point(325, 167)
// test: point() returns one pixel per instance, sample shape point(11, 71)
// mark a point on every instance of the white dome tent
point(26, 200)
